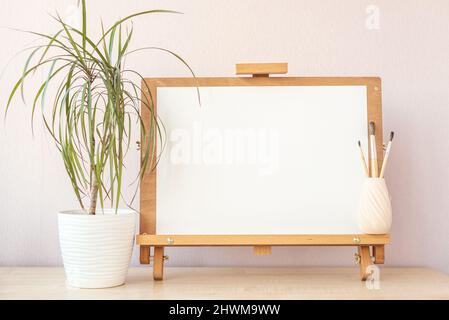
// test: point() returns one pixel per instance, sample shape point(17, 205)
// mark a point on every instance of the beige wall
point(409, 50)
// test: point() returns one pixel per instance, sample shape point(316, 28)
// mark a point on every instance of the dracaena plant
point(94, 105)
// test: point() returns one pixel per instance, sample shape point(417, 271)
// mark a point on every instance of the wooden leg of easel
point(144, 254)
point(364, 262)
point(379, 254)
point(158, 263)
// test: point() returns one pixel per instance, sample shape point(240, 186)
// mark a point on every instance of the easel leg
point(158, 263)
point(365, 262)
point(379, 254)
point(144, 255)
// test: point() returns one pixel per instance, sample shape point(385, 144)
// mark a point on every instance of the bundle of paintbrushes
point(373, 154)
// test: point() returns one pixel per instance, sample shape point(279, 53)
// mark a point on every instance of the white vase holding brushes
point(375, 214)
point(375, 211)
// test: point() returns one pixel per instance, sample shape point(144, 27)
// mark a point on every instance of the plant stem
point(93, 195)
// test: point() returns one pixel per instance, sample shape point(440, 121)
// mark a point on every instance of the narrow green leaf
point(135, 15)
point(84, 24)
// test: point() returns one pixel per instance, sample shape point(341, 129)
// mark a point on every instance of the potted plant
point(90, 116)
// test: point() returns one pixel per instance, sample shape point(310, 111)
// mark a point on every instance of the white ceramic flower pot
point(96, 249)
point(375, 214)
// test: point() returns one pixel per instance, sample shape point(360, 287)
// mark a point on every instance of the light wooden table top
point(232, 283)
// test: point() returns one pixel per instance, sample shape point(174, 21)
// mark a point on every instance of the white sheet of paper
point(261, 160)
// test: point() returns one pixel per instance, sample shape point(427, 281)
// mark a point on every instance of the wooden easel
point(370, 248)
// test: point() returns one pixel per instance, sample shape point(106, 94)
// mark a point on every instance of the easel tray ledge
point(269, 240)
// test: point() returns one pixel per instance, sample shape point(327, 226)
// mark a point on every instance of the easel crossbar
point(270, 240)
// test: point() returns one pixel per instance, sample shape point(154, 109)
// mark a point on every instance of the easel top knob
point(261, 69)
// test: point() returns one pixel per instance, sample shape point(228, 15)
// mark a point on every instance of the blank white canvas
point(261, 160)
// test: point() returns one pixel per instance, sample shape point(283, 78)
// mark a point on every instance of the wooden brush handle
point(365, 167)
point(384, 164)
point(373, 158)
point(374, 169)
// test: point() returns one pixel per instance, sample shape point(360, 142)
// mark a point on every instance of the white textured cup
point(375, 213)
point(96, 249)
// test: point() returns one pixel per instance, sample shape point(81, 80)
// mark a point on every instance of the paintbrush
point(362, 157)
point(387, 153)
point(374, 167)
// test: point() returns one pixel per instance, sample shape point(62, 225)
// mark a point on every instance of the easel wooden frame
point(370, 247)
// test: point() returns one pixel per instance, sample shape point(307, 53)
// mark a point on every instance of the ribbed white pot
point(96, 249)
point(375, 213)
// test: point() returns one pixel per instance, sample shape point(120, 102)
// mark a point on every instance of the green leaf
point(133, 16)
point(72, 42)
point(84, 24)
